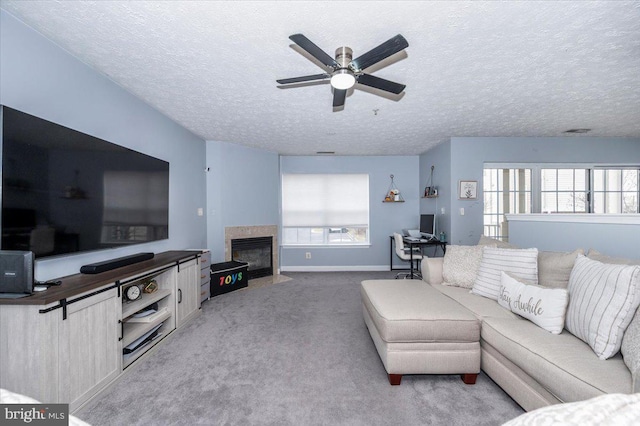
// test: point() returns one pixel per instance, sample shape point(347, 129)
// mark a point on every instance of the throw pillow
point(631, 350)
point(610, 409)
point(544, 307)
point(595, 255)
point(555, 268)
point(522, 263)
point(602, 301)
point(488, 241)
point(460, 265)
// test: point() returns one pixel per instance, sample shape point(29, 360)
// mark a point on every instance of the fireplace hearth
point(257, 252)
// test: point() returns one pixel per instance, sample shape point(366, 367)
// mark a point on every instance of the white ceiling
point(471, 68)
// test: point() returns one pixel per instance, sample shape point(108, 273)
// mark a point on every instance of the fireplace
point(257, 252)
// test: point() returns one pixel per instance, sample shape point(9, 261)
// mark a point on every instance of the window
point(616, 190)
point(555, 188)
point(564, 190)
point(505, 191)
point(325, 209)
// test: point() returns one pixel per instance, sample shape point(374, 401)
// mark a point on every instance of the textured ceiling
point(471, 68)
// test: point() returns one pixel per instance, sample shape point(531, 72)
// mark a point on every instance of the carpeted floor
point(290, 353)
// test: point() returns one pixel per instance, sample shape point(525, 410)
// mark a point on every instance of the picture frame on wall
point(468, 190)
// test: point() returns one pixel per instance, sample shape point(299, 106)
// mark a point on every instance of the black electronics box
point(16, 273)
point(228, 276)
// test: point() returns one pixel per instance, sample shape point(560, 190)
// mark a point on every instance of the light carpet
point(292, 353)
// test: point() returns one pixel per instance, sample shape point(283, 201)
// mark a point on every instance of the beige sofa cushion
point(480, 306)
point(562, 363)
point(554, 268)
point(488, 241)
point(595, 255)
point(413, 311)
point(431, 268)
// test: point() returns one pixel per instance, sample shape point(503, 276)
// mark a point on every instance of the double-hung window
point(325, 209)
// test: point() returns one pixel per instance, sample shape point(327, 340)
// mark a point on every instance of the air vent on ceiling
point(577, 131)
point(325, 152)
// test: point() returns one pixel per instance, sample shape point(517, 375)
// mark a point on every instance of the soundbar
point(108, 265)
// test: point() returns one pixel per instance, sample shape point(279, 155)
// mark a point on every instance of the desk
point(420, 243)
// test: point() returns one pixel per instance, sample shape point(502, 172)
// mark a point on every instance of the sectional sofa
point(536, 360)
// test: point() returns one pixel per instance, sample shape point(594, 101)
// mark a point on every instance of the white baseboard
point(367, 268)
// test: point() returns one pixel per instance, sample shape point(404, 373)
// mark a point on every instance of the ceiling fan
point(344, 72)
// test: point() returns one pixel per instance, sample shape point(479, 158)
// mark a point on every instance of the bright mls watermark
point(34, 414)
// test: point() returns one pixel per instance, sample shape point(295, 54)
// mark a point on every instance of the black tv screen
point(64, 191)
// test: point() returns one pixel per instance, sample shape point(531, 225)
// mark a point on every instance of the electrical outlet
point(200, 211)
point(307, 255)
point(461, 211)
point(442, 210)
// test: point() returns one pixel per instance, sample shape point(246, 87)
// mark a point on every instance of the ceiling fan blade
point(303, 78)
point(339, 97)
point(380, 83)
point(314, 50)
point(375, 55)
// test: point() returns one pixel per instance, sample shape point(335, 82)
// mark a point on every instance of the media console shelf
point(66, 344)
point(161, 323)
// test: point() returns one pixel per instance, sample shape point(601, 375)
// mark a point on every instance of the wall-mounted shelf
point(430, 191)
point(393, 194)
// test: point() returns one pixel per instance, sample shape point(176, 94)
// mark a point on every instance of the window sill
point(618, 219)
point(308, 246)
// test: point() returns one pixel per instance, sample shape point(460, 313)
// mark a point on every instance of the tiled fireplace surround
point(236, 232)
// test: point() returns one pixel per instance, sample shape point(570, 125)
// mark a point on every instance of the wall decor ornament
point(468, 190)
point(393, 194)
point(430, 191)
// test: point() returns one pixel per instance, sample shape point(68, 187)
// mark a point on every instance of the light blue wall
point(384, 218)
point(440, 158)
point(38, 77)
point(243, 187)
point(618, 240)
point(468, 156)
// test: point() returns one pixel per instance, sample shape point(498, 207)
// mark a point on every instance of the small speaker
point(16, 273)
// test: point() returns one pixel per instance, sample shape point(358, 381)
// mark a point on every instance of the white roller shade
point(325, 200)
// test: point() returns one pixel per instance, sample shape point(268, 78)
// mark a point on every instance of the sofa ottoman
point(418, 330)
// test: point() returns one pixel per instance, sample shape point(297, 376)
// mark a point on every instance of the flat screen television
point(428, 224)
point(64, 191)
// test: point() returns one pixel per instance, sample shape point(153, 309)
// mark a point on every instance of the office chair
point(404, 253)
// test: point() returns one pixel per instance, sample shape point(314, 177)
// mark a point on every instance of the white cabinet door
point(29, 351)
point(90, 353)
point(188, 293)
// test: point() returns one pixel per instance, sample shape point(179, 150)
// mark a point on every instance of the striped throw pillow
point(602, 301)
point(521, 263)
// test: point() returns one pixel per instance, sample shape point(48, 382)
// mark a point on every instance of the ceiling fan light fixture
point(343, 79)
